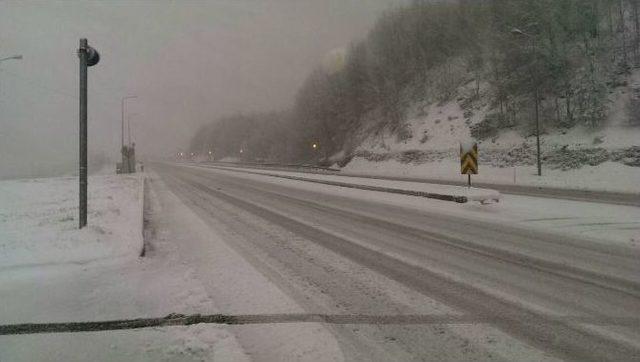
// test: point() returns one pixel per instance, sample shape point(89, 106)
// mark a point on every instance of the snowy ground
point(51, 272)
point(235, 286)
point(39, 220)
point(288, 225)
point(187, 269)
point(191, 268)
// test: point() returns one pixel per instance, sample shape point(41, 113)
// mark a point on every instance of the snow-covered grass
point(39, 220)
point(52, 272)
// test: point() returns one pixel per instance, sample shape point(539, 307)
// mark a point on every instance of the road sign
point(469, 158)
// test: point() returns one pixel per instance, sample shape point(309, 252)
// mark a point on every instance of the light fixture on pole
point(518, 32)
point(13, 57)
point(122, 104)
point(88, 57)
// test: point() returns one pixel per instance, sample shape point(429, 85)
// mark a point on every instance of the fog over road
point(419, 285)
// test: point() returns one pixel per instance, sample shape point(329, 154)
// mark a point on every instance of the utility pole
point(88, 57)
point(536, 85)
point(13, 57)
point(129, 130)
point(538, 158)
point(125, 158)
point(537, 102)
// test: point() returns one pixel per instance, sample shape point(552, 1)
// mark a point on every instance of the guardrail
point(274, 165)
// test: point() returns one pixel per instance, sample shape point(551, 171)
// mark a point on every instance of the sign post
point(469, 160)
point(88, 57)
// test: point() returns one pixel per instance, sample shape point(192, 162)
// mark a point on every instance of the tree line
point(567, 54)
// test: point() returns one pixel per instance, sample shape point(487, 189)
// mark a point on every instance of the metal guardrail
point(275, 165)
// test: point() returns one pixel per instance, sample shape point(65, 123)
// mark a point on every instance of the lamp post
point(518, 32)
point(125, 152)
point(129, 116)
point(122, 103)
point(13, 57)
point(88, 58)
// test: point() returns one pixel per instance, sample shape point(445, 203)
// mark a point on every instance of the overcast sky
point(187, 61)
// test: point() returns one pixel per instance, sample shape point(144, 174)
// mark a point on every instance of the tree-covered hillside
point(567, 55)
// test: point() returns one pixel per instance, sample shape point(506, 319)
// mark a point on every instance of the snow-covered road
point(548, 279)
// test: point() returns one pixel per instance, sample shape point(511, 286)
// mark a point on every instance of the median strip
point(459, 196)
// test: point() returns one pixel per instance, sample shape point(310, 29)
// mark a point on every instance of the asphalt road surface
point(421, 285)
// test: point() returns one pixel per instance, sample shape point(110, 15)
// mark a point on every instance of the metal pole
point(538, 133)
point(124, 167)
point(125, 157)
point(82, 54)
point(122, 118)
point(129, 131)
point(469, 180)
point(537, 104)
point(15, 57)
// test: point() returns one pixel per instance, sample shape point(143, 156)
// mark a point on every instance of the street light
point(518, 32)
point(125, 152)
point(88, 57)
point(122, 114)
point(16, 57)
point(129, 116)
point(13, 57)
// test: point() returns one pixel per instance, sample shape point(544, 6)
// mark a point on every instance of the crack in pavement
point(244, 319)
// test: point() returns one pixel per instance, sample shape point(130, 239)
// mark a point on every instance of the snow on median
point(39, 220)
point(460, 194)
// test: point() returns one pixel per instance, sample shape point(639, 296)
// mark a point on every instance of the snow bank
point(39, 220)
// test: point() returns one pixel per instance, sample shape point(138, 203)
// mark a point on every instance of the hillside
point(431, 75)
point(576, 157)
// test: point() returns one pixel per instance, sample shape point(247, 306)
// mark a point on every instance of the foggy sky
point(187, 61)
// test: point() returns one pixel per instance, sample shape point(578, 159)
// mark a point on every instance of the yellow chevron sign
point(469, 159)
